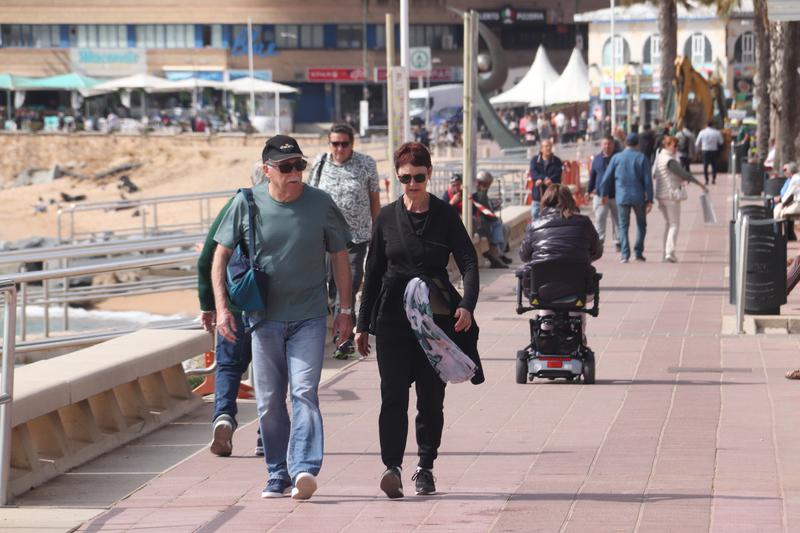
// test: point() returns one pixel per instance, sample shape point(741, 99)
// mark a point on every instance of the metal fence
point(9, 291)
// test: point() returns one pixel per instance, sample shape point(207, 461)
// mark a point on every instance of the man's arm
point(374, 204)
point(343, 322)
point(226, 324)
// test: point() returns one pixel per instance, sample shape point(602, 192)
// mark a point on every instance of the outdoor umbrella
point(11, 82)
point(251, 86)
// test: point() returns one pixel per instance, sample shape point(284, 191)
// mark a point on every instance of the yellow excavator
point(698, 101)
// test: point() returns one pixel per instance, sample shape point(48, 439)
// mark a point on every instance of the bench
point(76, 407)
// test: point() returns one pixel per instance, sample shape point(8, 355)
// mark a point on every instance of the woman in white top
point(670, 190)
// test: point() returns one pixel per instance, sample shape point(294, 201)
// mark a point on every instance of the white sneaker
point(305, 485)
point(222, 443)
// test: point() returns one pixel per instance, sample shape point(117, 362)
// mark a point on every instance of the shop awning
point(243, 86)
point(62, 82)
point(138, 81)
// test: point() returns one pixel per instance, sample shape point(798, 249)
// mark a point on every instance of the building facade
point(723, 47)
point(333, 54)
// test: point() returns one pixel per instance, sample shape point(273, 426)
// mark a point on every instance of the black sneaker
point(641, 258)
point(392, 483)
point(505, 259)
point(259, 451)
point(346, 350)
point(425, 483)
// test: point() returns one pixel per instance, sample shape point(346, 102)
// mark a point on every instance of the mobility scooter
point(560, 294)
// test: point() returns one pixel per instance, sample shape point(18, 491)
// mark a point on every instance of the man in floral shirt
point(351, 178)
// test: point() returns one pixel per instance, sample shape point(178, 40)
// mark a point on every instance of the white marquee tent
point(534, 88)
point(573, 84)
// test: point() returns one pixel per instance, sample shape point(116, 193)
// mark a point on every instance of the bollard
point(741, 274)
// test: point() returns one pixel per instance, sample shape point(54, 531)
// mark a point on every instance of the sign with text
point(327, 75)
point(108, 62)
point(509, 16)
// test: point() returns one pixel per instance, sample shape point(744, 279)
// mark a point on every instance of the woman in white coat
point(670, 190)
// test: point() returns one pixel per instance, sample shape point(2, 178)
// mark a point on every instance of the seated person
point(560, 233)
point(488, 223)
point(453, 195)
point(789, 192)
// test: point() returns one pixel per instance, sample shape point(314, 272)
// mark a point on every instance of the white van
point(437, 98)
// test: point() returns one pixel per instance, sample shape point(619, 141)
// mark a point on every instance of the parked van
point(436, 99)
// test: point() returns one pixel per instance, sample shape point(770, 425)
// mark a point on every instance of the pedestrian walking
point(670, 191)
point(351, 179)
point(413, 239)
point(647, 143)
point(297, 225)
point(686, 147)
point(602, 209)
point(709, 141)
point(232, 358)
point(545, 168)
point(629, 174)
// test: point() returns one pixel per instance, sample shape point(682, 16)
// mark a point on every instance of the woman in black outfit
point(414, 237)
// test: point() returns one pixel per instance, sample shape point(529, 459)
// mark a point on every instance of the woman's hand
point(463, 320)
point(362, 343)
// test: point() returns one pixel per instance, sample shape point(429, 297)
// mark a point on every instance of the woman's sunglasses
point(299, 165)
point(406, 178)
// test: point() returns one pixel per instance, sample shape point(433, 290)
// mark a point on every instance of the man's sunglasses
point(406, 178)
point(340, 144)
point(299, 165)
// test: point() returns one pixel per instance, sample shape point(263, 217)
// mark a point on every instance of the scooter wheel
point(522, 367)
point(588, 367)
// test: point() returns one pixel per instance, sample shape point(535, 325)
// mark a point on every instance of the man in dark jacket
point(647, 143)
point(601, 210)
point(545, 169)
point(630, 176)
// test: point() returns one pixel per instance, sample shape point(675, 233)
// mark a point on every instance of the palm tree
point(668, 29)
point(789, 121)
point(763, 53)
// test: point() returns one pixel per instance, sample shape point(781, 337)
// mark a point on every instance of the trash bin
point(765, 281)
point(752, 179)
point(740, 150)
point(756, 212)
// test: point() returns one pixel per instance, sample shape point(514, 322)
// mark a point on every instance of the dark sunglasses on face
point(406, 178)
point(340, 144)
point(285, 168)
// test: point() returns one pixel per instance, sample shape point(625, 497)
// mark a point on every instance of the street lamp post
point(613, 71)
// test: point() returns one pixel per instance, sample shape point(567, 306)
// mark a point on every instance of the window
point(380, 37)
point(30, 36)
point(698, 48)
point(622, 52)
point(312, 36)
point(744, 51)
point(438, 37)
point(348, 36)
point(287, 36)
point(211, 35)
point(102, 36)
point(173, 35)
point(651, 55)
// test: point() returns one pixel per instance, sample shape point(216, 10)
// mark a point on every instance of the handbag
point(679, 194)
point(247, 282)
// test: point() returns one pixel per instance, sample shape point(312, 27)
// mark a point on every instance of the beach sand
point(170, 166)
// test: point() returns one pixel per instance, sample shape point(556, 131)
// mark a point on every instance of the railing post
point(46, 295)
point(741, 272)
point(7, 392)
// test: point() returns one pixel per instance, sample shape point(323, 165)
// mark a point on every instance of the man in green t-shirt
point(297, 226)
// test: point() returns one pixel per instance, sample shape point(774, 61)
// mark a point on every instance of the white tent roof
point(137, 81)
point(534, 88)
point(573, 84)
point(242, 86)
point(190, 84)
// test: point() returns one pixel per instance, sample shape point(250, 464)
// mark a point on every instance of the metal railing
point(9, 291)
point(23, 279)
point(742, 237)
point(148, 214)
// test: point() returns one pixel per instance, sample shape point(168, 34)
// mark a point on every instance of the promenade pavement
point(685, 430)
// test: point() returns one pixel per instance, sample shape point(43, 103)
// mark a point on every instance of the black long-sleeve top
point(390, 267)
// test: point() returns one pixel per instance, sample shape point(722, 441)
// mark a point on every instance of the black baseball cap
point(281, 148)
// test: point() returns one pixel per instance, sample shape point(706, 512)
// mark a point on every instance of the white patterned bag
point(450, 363)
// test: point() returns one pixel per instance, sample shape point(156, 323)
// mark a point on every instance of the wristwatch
point(345, 310)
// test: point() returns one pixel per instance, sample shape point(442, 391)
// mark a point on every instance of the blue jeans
point(233, 358)
point(289, 355)
point(535, 207)
point(641, 228)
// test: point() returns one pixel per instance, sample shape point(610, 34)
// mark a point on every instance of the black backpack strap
point(318, 173)
point(252, 212)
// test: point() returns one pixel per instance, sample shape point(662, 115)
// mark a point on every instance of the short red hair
point(415, 154)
